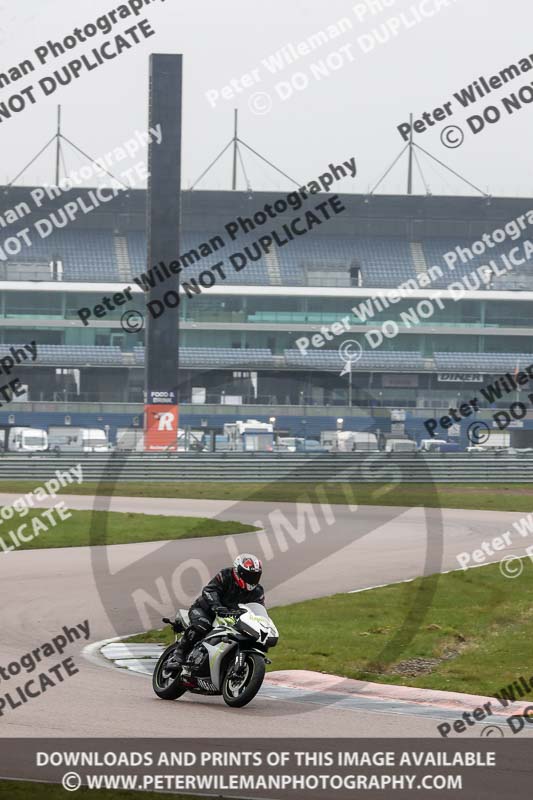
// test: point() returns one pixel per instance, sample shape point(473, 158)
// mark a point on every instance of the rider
point(229, 587)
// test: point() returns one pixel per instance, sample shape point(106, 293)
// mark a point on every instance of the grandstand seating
point(397, 361)
point(385, 262)
point(218, 357)
point(482, 362)
point(86, 255)
point(262, 358)
point(234, 358)
point(73, 355)
point(254, 273)
point(435, 249)
point(378, 245)
point(190, 357)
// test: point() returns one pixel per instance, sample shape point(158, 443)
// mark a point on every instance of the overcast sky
point(354, 112)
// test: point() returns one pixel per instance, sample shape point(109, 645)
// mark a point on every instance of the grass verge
point(22, 790)
point(475, 636)
point(490, 497)
point(85, 528)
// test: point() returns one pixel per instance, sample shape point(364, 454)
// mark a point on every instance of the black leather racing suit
point(222, 590)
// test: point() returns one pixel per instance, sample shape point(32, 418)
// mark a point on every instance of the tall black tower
point(164, 222)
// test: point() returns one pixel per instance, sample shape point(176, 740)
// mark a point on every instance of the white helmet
point(247, 571)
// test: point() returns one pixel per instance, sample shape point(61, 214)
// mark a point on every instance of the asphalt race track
point(43, 590)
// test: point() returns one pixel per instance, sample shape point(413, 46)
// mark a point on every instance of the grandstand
point(239, 339)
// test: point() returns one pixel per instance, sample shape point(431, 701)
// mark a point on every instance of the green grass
point(497, 497)
point(85, 528)
point(482, 618)
point(22, 790)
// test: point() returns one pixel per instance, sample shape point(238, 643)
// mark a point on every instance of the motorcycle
point(229, 661)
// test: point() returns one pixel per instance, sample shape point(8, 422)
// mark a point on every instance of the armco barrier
point(293, 467)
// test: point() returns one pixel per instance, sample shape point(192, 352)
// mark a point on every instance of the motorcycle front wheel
point(166, 684)
point(239, 688)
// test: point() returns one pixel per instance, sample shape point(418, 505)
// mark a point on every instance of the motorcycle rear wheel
point(239, 691)
point(165, 684)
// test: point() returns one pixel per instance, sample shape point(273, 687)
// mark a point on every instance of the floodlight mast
point(58, 146)
point(58, 138)
point(234, 142)
point(235, 150)
point(410, 167)
point(412, 147)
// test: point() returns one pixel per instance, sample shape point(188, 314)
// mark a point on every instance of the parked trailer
point(65, 438)
point(439, 446)
point(287, 444)
point(349, 441)
point(250, 435)
point(15, 439)
point(495, 440)
point(432, 445)
point(400, 446)
point(130, 440)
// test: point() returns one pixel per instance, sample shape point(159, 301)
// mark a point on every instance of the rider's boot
point(182, 650)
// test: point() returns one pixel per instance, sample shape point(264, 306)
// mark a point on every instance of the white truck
point(130, 440)
point(287, 444)
point(496, 440)
point(432, 445)
point(349, 441)
point(400, 446)
point(23, 440)
point(250, 436)
point(66, 438)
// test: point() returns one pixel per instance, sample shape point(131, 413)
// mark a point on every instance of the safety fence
point(276, 467)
